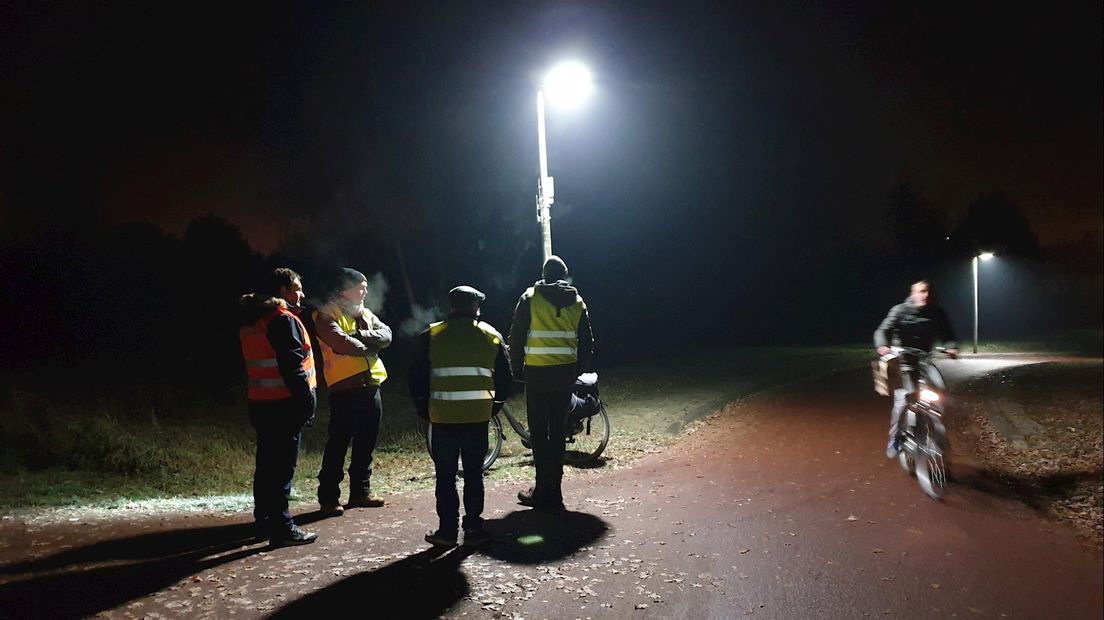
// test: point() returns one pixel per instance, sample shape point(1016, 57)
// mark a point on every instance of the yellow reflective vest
point(462, 353)
point(553, 332)
point(337, 367)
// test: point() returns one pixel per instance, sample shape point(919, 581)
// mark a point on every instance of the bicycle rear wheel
point(494, 441)
point(587, 438)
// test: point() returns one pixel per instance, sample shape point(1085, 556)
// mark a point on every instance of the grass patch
point(158, 447)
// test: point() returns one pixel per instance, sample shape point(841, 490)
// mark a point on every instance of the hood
point(559, 293)
point(254, 306)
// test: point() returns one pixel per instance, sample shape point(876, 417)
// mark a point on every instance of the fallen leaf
point(852, 518)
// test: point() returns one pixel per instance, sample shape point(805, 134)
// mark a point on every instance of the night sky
point(734, 162)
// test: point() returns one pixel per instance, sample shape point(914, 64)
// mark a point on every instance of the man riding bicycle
point(918, 324)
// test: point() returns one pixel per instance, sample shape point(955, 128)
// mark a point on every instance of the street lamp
point(568, 84)
point(977, 257)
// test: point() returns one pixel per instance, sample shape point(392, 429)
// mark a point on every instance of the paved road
point(781, 507)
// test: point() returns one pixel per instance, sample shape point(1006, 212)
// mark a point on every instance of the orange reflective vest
point(265, 381)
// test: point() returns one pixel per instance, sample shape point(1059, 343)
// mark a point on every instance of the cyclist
point(919, 324)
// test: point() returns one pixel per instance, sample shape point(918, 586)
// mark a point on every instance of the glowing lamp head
point(985, 255)
point(567, 83)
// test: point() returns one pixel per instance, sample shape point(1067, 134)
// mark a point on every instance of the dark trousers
point(548, 411)
point(468, 444)
point(354, 418)
point(910, 389)
point(278, 425)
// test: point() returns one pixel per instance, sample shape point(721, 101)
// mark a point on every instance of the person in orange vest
point(350, 337)
point(551, 343)
point(461, 372)
point(279, 366)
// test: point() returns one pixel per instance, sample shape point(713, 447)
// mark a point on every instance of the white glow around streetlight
point(567, 83)
point(985, 255)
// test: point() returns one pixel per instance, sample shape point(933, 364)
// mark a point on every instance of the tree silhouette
point(993, 223)
point(918, 231)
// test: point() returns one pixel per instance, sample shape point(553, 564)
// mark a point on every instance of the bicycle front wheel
point(587, 438)
point(931, 467)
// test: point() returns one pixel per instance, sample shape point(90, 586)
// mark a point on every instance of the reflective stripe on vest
point(462, 353)
point(553, 332)
point(262, 369)
point(337, 367)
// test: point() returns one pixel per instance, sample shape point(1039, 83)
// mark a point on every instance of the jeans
point(468, 443)
point(548, 411)
point(278, 424)
point(907, 393)
point(354, 418)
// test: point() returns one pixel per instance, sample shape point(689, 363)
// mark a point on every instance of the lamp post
point(977, 258)
point(567, 83)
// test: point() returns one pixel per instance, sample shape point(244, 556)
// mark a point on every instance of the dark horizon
point(736, 172)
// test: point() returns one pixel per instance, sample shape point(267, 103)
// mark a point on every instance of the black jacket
point(561, 295)
point(906, 325)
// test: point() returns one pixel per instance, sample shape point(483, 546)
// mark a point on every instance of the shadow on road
point(84, 581)
point(534, 537)
point(1035, 491)
point(423, 585)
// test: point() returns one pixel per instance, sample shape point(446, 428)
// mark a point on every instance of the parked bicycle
point(587, 427)
point(922, 434)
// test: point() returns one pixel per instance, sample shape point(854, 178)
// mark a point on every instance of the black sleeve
point(418, 378)
point(519, 333)
point(503, 378)
point(884, 334)
point(585, 336)
point(288, 341)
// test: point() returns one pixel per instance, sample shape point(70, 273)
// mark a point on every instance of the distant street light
point(978, 257)
point(566, 84)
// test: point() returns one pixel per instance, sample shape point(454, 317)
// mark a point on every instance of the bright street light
point(981, 256)
point(567, 84)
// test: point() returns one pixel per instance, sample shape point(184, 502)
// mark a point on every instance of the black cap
point(463, 296)
point(554, 269)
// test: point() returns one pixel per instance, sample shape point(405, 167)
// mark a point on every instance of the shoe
point(476, 538)
point(368, 501)
point(331, 510)
point(441, 539)
point(527, 497)
point(292, 537)
point(893, 449)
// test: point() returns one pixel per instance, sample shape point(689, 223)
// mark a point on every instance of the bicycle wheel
point(587, 438)
point(494, 441)
point(931, 470)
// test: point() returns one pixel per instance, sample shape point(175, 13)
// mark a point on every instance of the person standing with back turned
point(461, 372)
point(551, 343)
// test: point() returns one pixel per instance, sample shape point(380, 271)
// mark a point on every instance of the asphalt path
point(782, 506)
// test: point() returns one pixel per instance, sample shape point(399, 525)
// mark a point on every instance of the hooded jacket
point(908, 325)
point(561, 295)
point(288, 338)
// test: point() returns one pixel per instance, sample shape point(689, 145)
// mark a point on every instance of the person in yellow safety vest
point(281, 391)
point(351, 337)
point(551, 343)
point(461, 372)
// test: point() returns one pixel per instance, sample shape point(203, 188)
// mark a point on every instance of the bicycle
point(921, 433)
point(587, 427)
